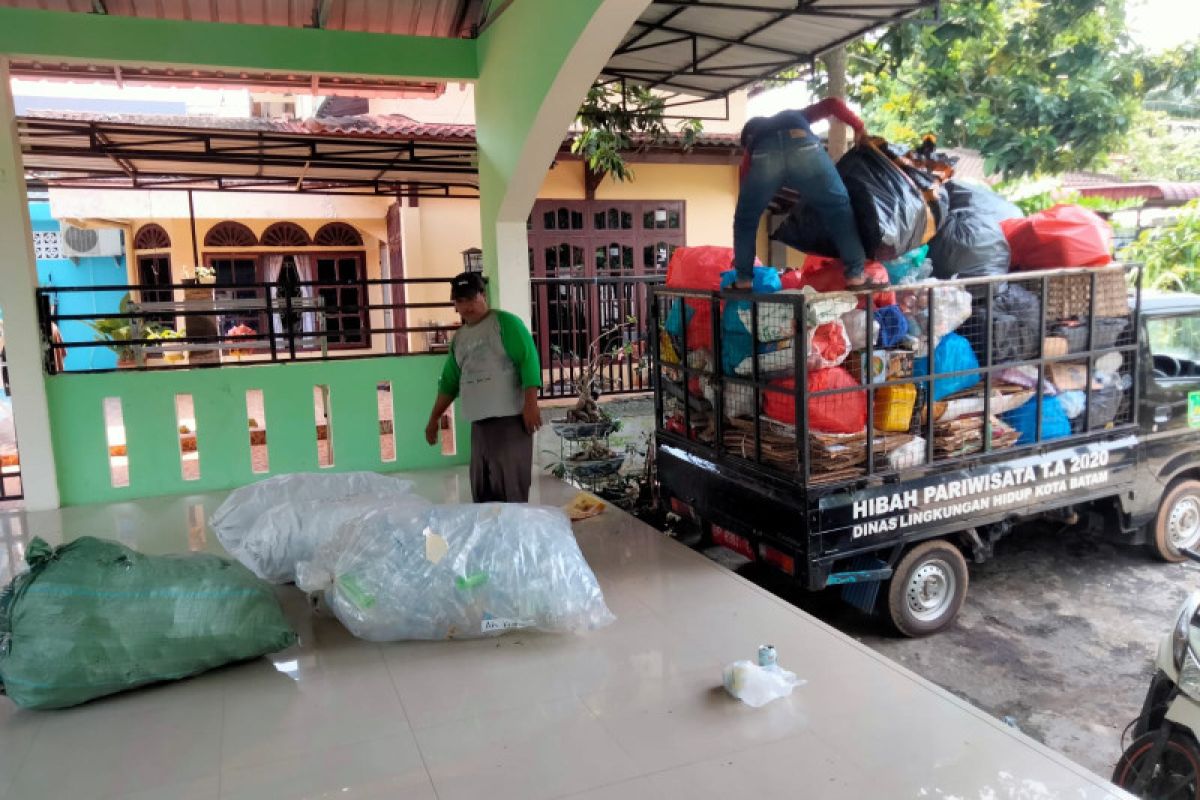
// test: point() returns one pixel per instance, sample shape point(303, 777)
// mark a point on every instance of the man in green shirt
point(493, 368)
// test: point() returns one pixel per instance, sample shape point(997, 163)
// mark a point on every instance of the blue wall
point(98, 271)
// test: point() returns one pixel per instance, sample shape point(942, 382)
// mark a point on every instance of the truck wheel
point(1177, 526)
point(927, 588)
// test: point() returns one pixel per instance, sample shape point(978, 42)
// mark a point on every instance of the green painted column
point(18, 302)
point(536, 62)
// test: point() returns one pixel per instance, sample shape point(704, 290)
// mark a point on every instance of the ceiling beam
point(111, 39)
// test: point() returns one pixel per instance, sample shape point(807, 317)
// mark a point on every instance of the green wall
point(519, 59)
point(98, 37)
point(219, 397)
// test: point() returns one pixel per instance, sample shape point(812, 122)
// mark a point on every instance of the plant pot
point(579, 431)
point(595, 469)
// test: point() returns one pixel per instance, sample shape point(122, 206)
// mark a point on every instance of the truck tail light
point(779, 559)
point(682, 509)
point(731, 541)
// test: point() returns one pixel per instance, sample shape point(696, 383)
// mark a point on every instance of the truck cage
point(738, 352)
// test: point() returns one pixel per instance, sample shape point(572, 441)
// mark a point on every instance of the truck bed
point(982, 455)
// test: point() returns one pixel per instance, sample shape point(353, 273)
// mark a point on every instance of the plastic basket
point(894, 407)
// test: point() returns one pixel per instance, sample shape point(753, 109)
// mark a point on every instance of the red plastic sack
point(699, 268)
point(828, 345)
point(1062, 236)
point(834, 413)
point(828, 275)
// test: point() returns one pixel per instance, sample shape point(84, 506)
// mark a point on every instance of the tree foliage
point(1155, 150)
point(618, 118)
point(1170, 256)
point(1037, 86)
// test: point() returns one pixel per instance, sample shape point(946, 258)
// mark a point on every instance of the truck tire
point(1177, 525)
point(928, 588)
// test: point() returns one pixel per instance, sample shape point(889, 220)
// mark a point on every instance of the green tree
point(619, 118)
point(1038, 87)
point(1155, 150)
point(1170, 256)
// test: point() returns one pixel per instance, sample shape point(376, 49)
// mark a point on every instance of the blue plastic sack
point(953, 354)
point(766, 280)
point(892, 324)
point(736, 341)
point(900, 268)
point(1055, 424)
point(675, 318)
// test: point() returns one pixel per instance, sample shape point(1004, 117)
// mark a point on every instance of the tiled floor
point(633, 711)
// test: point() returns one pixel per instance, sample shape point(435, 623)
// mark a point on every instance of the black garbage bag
point(889, 209)
point(969, 245)
point(1018, 337)
point(1016, 323)
point(982, 200)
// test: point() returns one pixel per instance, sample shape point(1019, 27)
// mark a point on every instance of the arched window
point(338, 234)
point(285, 234)
point(151, 237)
point(230, 234)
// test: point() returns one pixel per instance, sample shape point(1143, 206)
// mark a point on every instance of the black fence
point(830, 388)
point(603, 321)
point(194, 325)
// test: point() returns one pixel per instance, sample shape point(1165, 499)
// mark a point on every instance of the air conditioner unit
point(88, 242)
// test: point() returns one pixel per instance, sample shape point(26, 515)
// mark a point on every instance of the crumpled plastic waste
point(756, 686)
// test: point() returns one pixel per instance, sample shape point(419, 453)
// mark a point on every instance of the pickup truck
point(1078, 399)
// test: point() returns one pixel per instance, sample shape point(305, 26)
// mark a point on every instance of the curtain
point(273, 265)
point(304, 268)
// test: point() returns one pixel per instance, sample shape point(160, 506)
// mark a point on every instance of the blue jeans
point(799, 162)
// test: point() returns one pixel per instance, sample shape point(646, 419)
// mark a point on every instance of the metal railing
point(572, 315)
point(228, 324)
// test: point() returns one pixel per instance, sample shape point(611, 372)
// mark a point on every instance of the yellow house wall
point(710, 192)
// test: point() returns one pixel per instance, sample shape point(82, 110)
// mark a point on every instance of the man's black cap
point(467, 285)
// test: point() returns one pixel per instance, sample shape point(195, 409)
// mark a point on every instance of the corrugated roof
point(710, 48)
point(148, 152)
point(390, 126)
point(383, 154)
point(1162, 193)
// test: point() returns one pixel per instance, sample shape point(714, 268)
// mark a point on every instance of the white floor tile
point(18, 728)
point(379, 768)
point(145, 741)
point(520, 669)
point(201, 789)
point(637, 789)
point(632, 711)
point(540, 751)
point(329, 699)
point(810, 768)
point(690, 718)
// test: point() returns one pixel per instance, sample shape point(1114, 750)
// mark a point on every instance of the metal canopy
point(709, 48)
point(90, 153)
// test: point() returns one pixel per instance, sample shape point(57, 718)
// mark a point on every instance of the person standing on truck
point(493, 365)
point(782, 151)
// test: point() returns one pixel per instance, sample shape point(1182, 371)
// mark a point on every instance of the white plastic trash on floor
point(409, 570)
point(272, 525)
point(756, 686)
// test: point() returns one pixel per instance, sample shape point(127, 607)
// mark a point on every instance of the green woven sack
point(93, 617)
